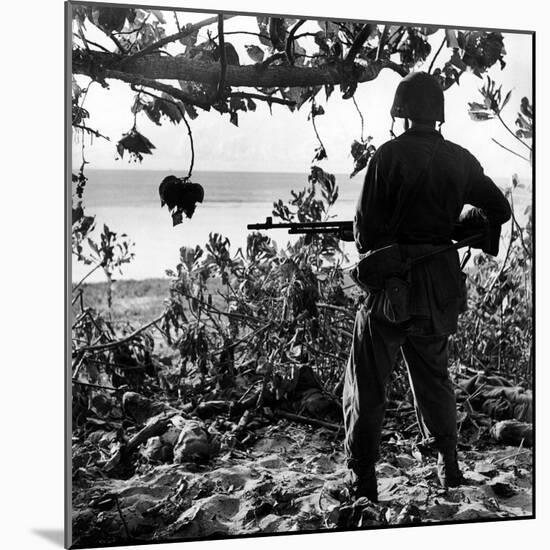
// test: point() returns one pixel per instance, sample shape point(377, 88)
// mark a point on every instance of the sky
point(285, 141)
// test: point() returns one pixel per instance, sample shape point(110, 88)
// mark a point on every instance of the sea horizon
point(127, 200)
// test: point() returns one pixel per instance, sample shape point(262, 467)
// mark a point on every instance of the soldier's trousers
point(375, 347)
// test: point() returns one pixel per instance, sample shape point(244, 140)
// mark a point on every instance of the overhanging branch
point(188, 31)
point(176, 93)
point(155, 67)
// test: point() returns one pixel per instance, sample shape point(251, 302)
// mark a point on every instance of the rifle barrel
point(303, 225)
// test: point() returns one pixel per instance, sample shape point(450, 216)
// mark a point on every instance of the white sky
point(285, 141)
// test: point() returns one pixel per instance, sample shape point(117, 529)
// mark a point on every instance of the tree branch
point(173, 37)
point(510, 150)
point(360, 39)
point(437, 54)
point(290, 41)
point(116, 343)
point(512, 133)
point(184, 118)
point(154, 67)
point(138, 80)
point(90, 131)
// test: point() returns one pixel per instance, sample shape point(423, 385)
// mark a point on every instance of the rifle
point(309, 228)
point(344, 230)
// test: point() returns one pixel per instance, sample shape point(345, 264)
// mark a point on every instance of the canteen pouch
point(396, 300)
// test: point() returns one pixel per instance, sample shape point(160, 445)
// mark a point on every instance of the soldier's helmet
point(419, 96)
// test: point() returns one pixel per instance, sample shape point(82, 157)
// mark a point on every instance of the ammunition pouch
point(386, 270)
point(372, 271)
point(396, 298)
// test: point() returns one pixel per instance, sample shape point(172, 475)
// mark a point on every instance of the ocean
point(128, 202)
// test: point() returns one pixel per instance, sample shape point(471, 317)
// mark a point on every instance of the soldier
point(428, 179)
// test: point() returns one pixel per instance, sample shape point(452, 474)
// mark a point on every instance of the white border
point(32, 275)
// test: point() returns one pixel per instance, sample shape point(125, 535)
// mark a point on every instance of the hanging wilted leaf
point(136, 144)
point(255, 53)
point(180, 196)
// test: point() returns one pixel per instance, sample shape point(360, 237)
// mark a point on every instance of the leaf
point(191, 111)
point(361, 151)
point(111, 19)
point(320, 154)
point(255, 53)
point(250, 104)
point(234, 118)
point(506, 99)
point(482, 50)
point(317, 110)
point(159, 15)
point(136, 144)
point(180, 196)
point(168, 109)
point(93, 246)
point(231, 55)
point(190, 39)
point(479, 112)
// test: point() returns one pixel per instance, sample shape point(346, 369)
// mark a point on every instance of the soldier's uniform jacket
point(453, 178)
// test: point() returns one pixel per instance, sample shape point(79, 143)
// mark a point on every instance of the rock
point(192, 444)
